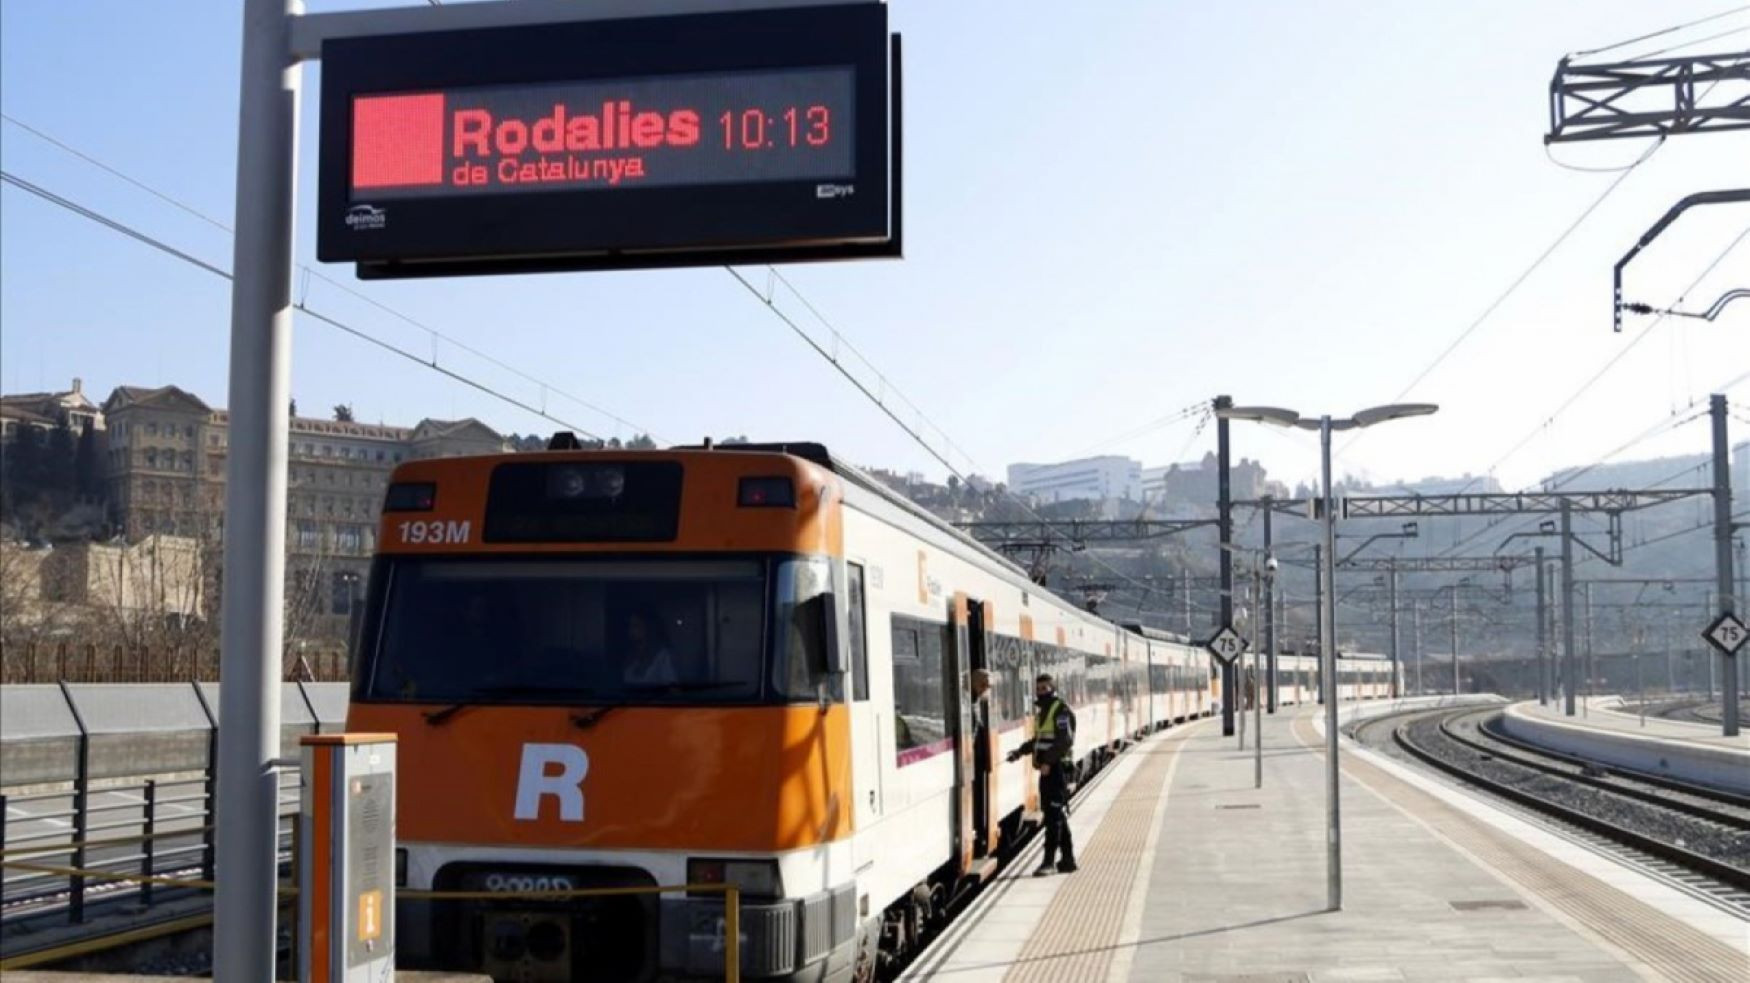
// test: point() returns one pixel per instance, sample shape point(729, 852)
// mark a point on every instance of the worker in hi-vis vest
point(1054, 735)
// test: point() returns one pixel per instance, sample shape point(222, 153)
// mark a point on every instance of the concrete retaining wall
point(1720, 767)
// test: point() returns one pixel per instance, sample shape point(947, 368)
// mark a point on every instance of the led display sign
point(765, 135)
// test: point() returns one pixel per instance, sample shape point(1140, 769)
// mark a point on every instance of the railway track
point(1690, 711)
point(1693, 837)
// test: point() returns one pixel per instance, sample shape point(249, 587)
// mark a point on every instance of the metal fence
point(108, 790)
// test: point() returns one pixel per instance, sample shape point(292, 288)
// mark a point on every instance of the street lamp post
point(1326, 425)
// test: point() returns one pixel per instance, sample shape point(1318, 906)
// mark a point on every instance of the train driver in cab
point(648, 659)
point(1054, 732)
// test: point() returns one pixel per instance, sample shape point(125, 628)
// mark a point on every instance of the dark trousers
point(1054, 800)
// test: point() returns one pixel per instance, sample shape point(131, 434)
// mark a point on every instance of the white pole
point(1328, 659)
point(252, 617)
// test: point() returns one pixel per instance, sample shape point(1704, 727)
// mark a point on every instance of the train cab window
point(856, 625)
point(800, 614)
point(571, 631)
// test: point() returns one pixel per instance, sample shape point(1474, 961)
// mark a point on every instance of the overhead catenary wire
point(843, 344)
point(1656, 429)
point(766, 299)
point(1549, 152)
point(1664, 537)
point(1525, 522)
point(1190, 412)
point(1670, 423)
point(309, 272)
point(1690, 44)
point(1513, 286)
point(1659, 33)
point(91, 214)
point(1617, 358)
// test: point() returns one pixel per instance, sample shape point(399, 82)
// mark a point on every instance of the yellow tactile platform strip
point(1664, 946)
point(1079, 930)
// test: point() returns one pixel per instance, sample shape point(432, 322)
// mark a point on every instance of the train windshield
point(592, 631)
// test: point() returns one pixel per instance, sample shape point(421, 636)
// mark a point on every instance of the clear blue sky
point(1113, 210)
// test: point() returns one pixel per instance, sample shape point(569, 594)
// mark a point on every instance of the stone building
point(165, 467)
point(43, 412)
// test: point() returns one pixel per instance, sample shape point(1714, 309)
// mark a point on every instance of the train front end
point(610, 671)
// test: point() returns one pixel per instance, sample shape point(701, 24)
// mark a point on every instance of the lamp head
point(1392, 411)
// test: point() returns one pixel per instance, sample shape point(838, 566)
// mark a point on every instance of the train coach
point(749, 665)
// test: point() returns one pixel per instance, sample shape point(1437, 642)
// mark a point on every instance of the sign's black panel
point(648, 142)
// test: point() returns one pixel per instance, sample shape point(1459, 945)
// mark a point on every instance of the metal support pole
point(1416, 628)
point(81, 831)
point(1723, 559)
point(1319, 553)
point(1258, 582)
point(1542, 636)
point(1225, 527)
point(1328, 660)
point(1640, 688)
point(1743, 577)
point(252, 618)
point(1185, 592)
point(1707, 654)
point(1269, 617)
point(1567, 609)
point(1454, 628)
point(1591, 664)
point(149, 842)
point(1391, 575)
point(1670, 655)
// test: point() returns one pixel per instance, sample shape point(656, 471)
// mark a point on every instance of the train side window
point(859, 639)
point(919, 703)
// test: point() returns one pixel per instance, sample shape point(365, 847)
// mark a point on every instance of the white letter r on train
point(538, 778)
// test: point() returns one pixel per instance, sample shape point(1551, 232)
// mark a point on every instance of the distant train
point(750, 665)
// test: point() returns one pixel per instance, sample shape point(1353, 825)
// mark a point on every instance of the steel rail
point(1735, 877)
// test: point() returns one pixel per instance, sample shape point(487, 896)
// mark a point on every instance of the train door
point(957, 682)
point(865, 723)
point(983, 748)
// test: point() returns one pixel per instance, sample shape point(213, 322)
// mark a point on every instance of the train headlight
point(583, 482)
point(754, 878)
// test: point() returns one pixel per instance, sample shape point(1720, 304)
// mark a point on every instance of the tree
point(87, 470)
point(21, 478)
point(33, 609)
point(343, 412)
point(62, 475)
point(642, 442)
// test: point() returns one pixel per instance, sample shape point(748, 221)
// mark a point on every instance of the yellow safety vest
point(1048, 726)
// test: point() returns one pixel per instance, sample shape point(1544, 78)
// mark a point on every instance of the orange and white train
point(747, 664)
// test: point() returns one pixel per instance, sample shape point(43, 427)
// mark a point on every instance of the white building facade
point(1090, 478)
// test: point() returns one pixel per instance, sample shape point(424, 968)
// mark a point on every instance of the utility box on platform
point(346, 861)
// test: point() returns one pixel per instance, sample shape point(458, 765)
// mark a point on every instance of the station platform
point(1611, 713)
point(1190, 873)
point(1680, 749)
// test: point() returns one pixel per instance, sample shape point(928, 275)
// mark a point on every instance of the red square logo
point(398, 141)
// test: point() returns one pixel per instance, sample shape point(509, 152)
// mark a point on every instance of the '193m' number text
point(433, 531)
